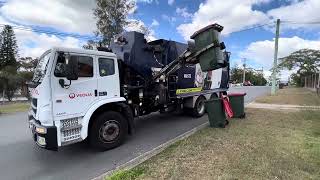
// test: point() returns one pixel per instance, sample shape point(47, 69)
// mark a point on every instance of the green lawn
point(294, 96)
point(265, 145)
point(14, 107)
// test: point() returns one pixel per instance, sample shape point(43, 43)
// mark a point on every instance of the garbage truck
point(96, 95)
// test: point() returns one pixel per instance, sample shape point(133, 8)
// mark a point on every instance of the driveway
point(20, 158)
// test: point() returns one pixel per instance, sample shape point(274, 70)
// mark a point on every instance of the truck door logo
point(76, 95)
point(72, 95)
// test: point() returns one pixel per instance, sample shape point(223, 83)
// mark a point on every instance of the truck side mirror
point(71, 67)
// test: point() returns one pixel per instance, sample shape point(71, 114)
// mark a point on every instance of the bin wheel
point(214, 95)
point(227, 122)
point(199, 109)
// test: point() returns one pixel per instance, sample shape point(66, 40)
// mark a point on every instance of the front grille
point(71, 134)
point(70, 130)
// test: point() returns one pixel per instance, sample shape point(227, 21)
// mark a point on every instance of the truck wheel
point(108, 131)
point(198, 109)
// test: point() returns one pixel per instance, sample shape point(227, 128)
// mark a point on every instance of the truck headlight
point(41, 130)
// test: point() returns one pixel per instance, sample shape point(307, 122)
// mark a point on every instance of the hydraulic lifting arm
point(190, 56)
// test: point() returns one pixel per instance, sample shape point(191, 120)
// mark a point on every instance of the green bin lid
point(215, 26)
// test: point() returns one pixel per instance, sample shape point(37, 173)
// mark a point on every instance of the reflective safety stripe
point(188, 90)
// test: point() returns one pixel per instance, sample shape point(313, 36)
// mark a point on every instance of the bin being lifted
point(209, 37)
point(206, 49)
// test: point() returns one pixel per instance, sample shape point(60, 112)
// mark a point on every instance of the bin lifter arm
point(187, 57)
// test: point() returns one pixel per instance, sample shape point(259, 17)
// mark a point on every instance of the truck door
point(76, 99)
point(108, 78)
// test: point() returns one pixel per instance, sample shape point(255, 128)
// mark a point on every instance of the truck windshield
point(41, 68)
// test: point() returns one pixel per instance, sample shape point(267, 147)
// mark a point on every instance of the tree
point(306, 61)
point(8, 62)
point(9, 80)
point(255, 78)
point(9, 48)
point(111, 18)
point(25, 73)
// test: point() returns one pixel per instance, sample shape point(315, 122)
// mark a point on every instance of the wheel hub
point(109, 131)
point(200, 107)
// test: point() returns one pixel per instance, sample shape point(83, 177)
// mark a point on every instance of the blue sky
point(236, 42)
point(175, 20)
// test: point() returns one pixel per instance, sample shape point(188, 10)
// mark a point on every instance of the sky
point(73, 24)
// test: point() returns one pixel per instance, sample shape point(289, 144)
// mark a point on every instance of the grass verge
point(294, 96)
point(14, 107)
point(265, 145)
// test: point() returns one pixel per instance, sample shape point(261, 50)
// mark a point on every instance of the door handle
point(95, 92)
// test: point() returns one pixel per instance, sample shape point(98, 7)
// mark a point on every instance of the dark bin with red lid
point(237, 104)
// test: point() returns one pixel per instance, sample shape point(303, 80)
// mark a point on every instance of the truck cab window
point(106, 66)
point(85, 66)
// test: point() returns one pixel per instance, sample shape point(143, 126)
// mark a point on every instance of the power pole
point(275, 62)
point(244, 71)
point(318, 86)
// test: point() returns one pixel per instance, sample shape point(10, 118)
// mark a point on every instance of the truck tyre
point(108, 131)
point(198, 109)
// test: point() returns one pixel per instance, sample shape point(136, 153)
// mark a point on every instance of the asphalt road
point(20, 158)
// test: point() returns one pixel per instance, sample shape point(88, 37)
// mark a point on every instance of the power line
point(301, 22)
point(32, 29)
point(253, 27)
point(266, 24)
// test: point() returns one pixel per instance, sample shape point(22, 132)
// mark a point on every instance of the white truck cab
point(60, 108)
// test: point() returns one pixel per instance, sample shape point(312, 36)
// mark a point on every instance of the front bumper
point(47, 139)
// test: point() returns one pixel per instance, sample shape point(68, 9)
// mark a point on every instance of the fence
point(312, 81)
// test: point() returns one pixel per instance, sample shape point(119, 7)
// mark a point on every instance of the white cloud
point(303, 11)
point(154, 23)
point(170, 2)
point(147, 1)
point(62, 15)
point(183, 12)
point(139, 26)
point(65, 15)
point(234, 15)
point(144, 1)
point(33, 44)
point(170, 19)
point(262, 52)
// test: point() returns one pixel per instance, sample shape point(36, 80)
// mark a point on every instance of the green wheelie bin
point(216, 114)
point(237, 104)
point(213, 58)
